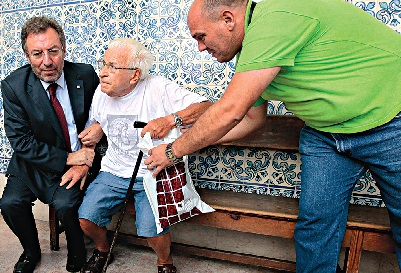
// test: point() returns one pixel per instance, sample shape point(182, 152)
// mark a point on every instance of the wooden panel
point(282, 265)
point(368, 217)
point(279, 132)
point(379, 242)
point(354, 252)
point(247, 203)
point(283, 228)
point(54, 230)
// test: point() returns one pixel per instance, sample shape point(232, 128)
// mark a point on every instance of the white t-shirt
point(152, 98)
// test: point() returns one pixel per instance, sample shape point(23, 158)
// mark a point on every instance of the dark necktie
point(60, 113)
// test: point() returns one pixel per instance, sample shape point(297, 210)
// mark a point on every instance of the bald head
point(210, 8)
point(218, 26)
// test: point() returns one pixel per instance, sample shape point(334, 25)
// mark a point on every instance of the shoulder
point(78, 67)
point(19, 74)
point(156, 79)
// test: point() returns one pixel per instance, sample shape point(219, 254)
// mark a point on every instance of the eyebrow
point(50, 48)
point(196, 35)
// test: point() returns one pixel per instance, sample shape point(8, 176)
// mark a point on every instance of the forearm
point(209, 128)
point(191, 114)
point(252, 121)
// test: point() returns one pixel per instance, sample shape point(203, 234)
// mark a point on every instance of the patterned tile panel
point(161, 26)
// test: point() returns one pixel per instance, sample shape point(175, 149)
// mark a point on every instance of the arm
point(27, 131)
point(220, 118)
point(160, 127)
point(89, 138)
point(253, 120)
point(91, 135)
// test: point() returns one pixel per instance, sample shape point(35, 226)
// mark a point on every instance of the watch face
point(169, 152)
point(177, 120)
point(170, 155)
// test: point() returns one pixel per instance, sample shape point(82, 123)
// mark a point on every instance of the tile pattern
point(161, 26)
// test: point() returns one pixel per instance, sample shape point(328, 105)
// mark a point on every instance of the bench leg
point(353, 254)
point(54, 229)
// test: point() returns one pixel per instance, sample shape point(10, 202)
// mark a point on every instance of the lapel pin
point(78, 86)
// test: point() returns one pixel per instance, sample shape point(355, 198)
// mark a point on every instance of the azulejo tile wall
point(161, 26)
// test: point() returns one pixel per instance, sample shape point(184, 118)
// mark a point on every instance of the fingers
point(83, 180)
point(72, 183)
point(64, 180)
point(156, 171)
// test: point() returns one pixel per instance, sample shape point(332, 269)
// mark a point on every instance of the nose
point(47, 60)
point(201, 46)
point(103, 71)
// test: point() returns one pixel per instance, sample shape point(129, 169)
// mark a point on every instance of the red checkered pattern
point(169, 186)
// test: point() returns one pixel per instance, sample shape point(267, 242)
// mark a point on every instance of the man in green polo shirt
point(334, 66)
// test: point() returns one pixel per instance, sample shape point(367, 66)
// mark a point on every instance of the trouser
point(331, 166)
point(16, 208)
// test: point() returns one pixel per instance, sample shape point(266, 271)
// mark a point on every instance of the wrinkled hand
point(73, 175)
point(157, 159)
point(91, 135)
point(158, 128)
point(84, 156)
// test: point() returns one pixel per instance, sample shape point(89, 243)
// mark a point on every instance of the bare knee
point(88, 226)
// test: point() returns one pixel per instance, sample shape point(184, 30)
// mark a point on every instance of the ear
point(136, 76)
point(27, 58)
point(229, 19)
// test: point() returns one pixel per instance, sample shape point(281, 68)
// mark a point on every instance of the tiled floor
point(128, 258)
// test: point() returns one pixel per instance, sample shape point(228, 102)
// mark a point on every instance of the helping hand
point(157, 159)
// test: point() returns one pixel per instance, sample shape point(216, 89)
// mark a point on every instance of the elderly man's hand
point(158, 128)
point(73, 175)
point(157, 159)
point(84, 156)
point(91, 135)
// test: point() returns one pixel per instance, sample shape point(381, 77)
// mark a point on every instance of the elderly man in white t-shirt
point(127, 93)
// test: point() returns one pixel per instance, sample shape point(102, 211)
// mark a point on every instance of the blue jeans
point(331, 166)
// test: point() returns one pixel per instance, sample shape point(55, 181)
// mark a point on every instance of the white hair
point(141, 57)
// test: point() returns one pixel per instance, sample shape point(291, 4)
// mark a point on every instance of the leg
point(16, 208)
point(98, 234)
point(382, 154)
point(146, 226)
point(66, 203)
point(161, 245)
point(328, 177)
point(104, 198)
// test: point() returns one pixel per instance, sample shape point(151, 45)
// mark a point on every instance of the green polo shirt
point(341, 67)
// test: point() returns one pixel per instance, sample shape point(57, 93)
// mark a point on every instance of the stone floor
point(128, 258)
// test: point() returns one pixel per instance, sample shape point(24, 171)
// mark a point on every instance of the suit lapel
point(76, 93)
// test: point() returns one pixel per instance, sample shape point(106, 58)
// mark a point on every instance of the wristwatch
point(170, 154)
point(177, 120)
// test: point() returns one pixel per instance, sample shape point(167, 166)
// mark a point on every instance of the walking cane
point(137, 124)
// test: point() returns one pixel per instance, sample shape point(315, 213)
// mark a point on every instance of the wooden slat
point(283, 228)
point(247, 203)
point(354, 252)
point(279, 132)
point(282, 265)
point(368, 217)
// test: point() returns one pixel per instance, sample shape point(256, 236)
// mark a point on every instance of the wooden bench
point(367, 228)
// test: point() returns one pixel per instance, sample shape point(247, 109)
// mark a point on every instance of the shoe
point(166, 268)
point(26, 264)
point(96, 263)
point(75, 262)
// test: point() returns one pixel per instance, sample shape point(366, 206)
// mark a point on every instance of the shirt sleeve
point(178, 98)
point(274, 39)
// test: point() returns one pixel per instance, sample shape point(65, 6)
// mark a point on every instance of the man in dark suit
point(47, 163)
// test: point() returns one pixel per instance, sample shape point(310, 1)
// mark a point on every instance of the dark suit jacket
point(32, 127)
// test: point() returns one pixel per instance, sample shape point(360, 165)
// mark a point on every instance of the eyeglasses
point(111, 67)
point(53, 53)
